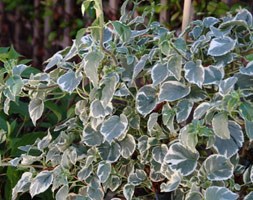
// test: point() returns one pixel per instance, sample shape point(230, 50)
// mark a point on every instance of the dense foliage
point(151, 112)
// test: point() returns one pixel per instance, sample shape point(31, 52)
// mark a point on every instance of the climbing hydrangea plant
point(153, 112)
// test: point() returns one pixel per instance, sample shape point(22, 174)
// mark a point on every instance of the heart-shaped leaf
point(172, 91)
point(68, 82)
point(114, 127)
point(221, 46)
point(194, 72)
point(181, 159)
point(215, 192)
point(146, 99)
point(218, 168)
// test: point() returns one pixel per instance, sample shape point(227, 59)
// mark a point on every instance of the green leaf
point(172, 91)
point(137, 177)
point(109, 152)
point(172, 184)
point(210, 21)
point(212, 75)
point(92, 137)
point(218, 168)
point(90, 64)
point(122, 30)
point(249, 129)
point(128, 191)
point(62, 193)
point(175, 66)
point(36, 108)
point(108, 90)
point(168, 115)
point(139, 66)
point(103, 171)
point(159, 73)
point(85, 172)
point(44, 142)
point(220, 125)
point(248, 70)
point(146, 99)
point(184, 108)
point(201, 110)
point(97, 110)
point(22, 185)
point(244, 15)
point(221, 46)
point(229, 147)
point(249, 196)
point(85, 5)
point(194, 196)
point(194, 72)
point(17, 70)
point(69, 81)
point(246, 111)
point(41, 182)
point(128, 146)
point(14, 85)
point(215, 192)
point(54, 60)
point(188, 138)
point(114, 127)
point(159, 153)
point(227, 85)
point(181, 159)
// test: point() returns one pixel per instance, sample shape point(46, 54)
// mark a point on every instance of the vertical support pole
point(187, 14)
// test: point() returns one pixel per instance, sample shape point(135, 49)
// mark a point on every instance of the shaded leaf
point(172, 91)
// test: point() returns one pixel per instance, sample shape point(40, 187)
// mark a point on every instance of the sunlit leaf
point(215, 192)
point(69, 81)
point(194, 72)
point(114, 127)
point(146, 99)
point(221, 46)
point(36, 108)
point(181, 159)
point(218, 167)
